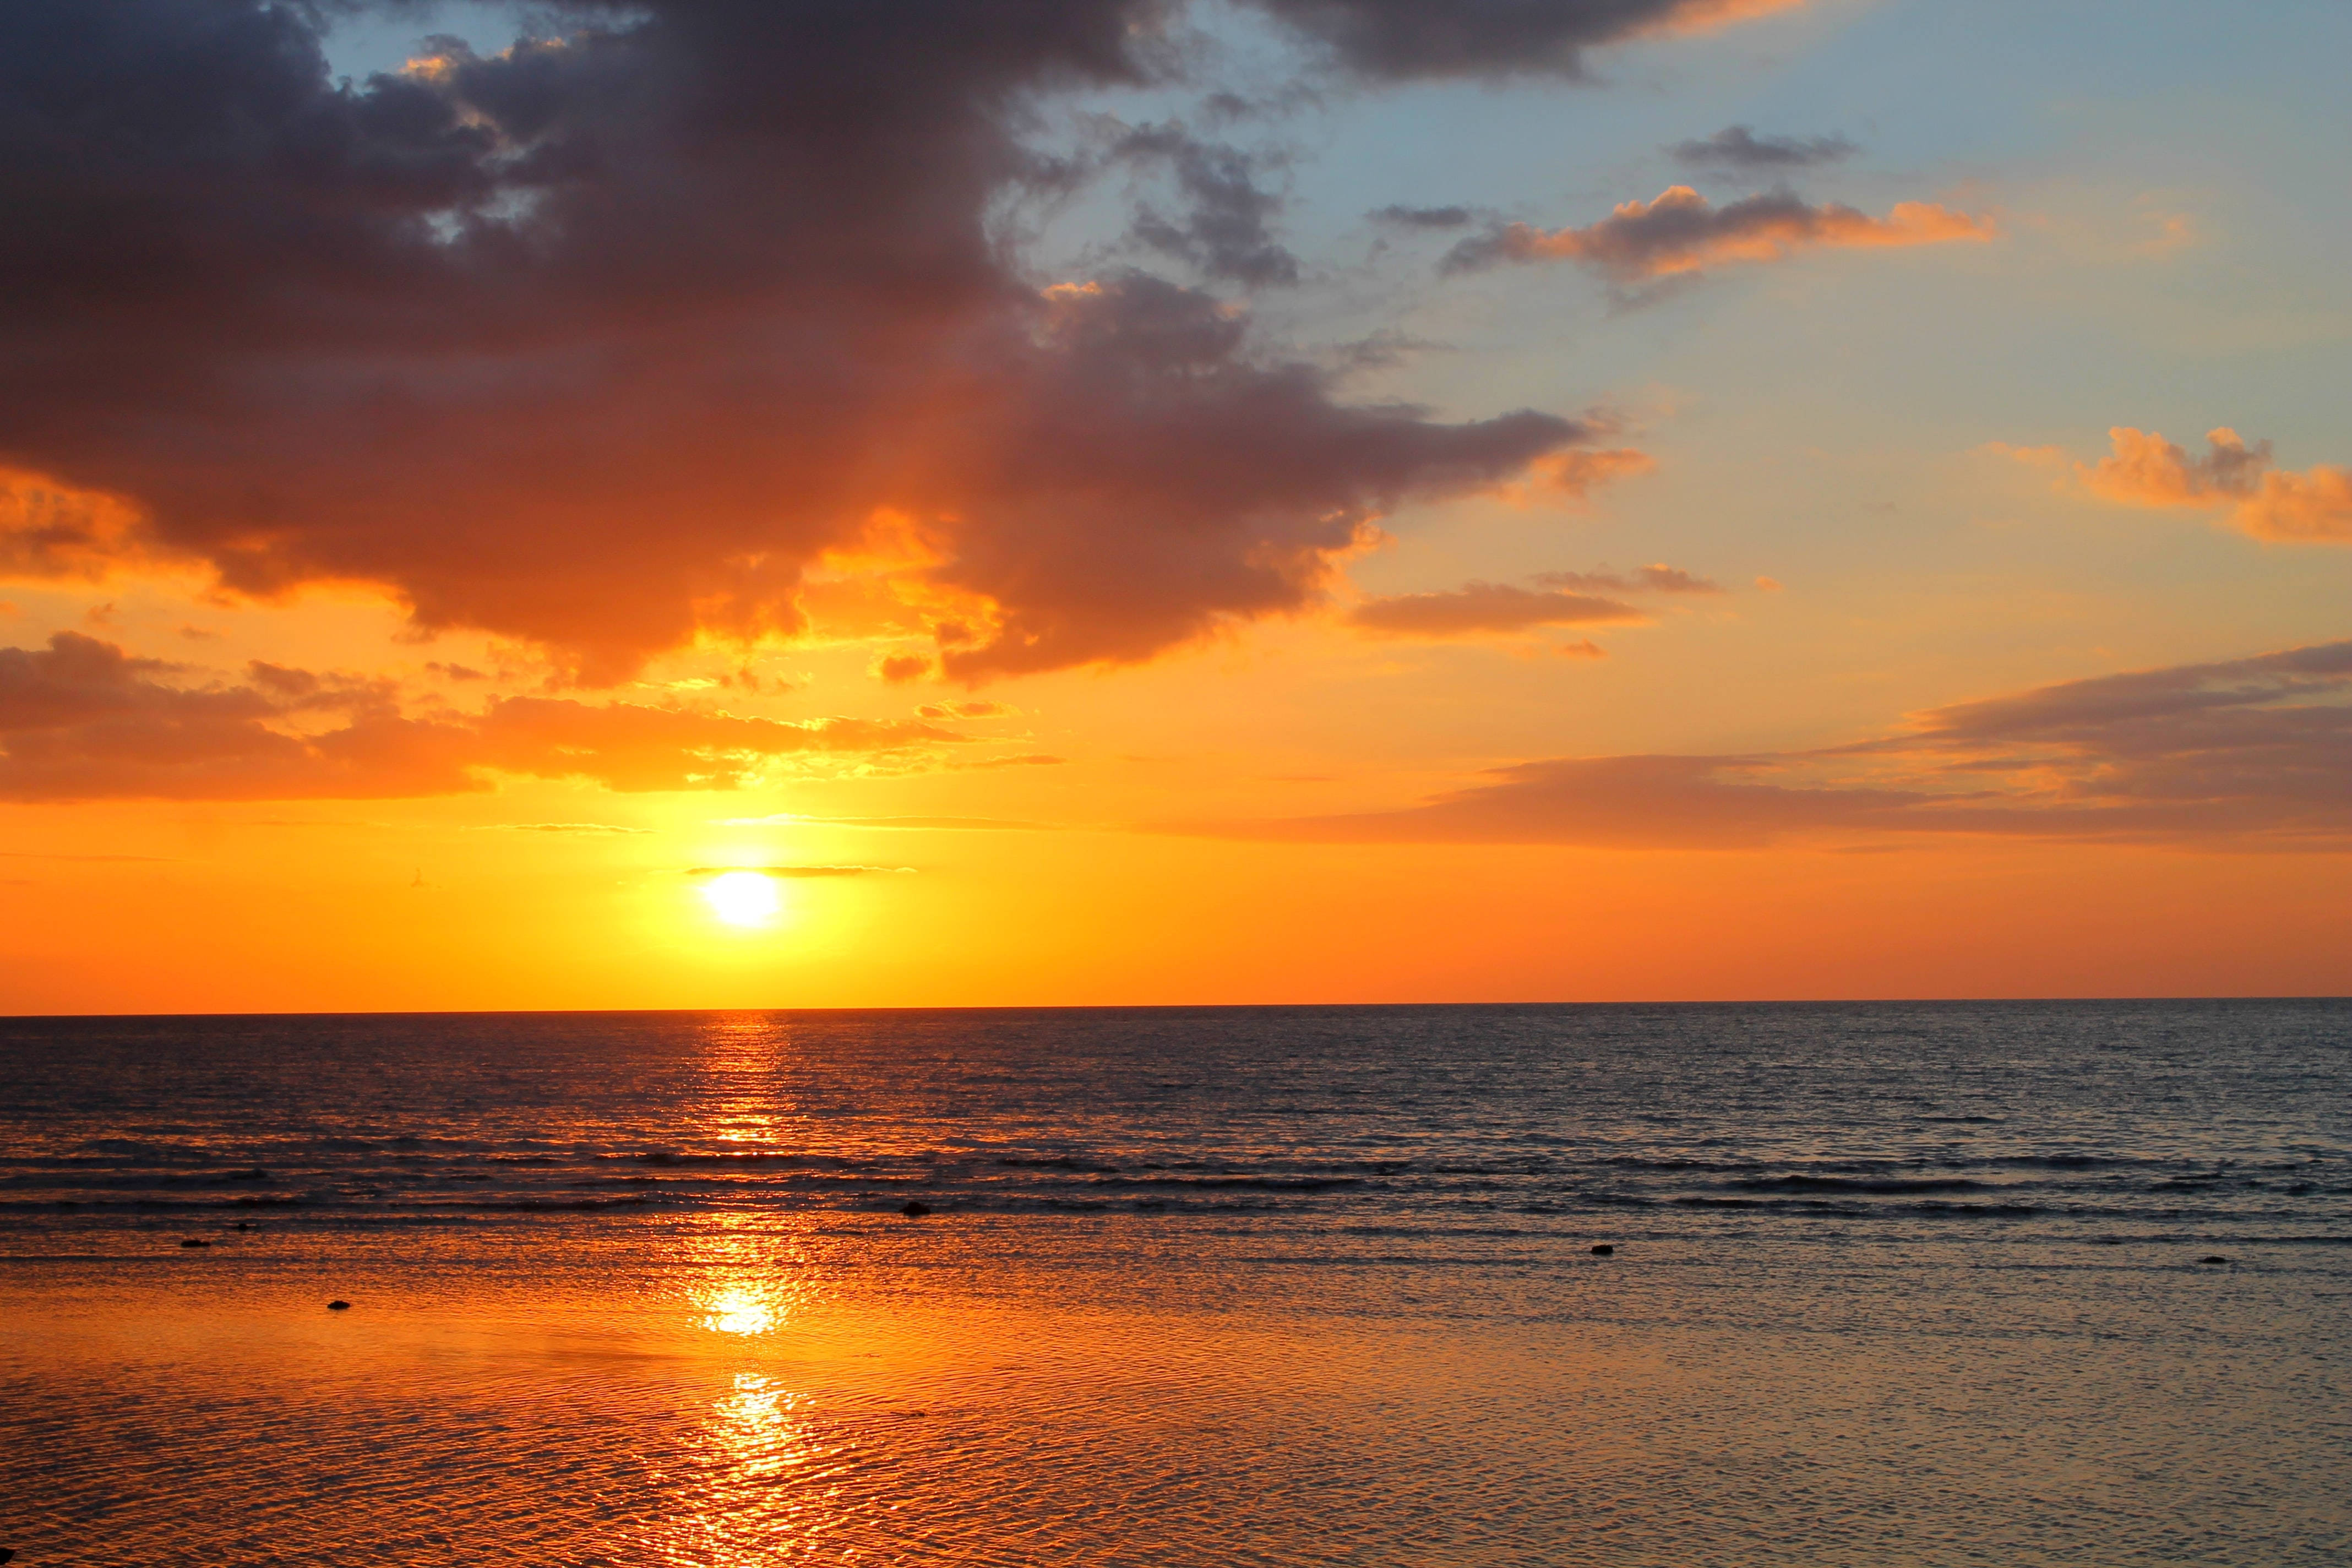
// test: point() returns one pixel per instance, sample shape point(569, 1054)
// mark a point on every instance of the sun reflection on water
point(767, 1481)
point(738, 1310)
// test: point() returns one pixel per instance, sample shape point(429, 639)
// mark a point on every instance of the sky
point(766, 503)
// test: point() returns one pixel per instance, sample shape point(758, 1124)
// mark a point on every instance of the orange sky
point(1165, 505)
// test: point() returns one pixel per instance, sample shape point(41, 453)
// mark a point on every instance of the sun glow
point(744, 897)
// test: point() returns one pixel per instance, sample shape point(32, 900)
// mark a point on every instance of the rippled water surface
point(1890, 1284)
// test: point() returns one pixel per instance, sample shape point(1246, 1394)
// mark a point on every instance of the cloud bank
point(2249, 753)
point(82, 719)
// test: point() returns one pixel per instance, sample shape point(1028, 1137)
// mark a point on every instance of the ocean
point(1938, 1283)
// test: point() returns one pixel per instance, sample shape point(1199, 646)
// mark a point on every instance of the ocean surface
point(1888, 1284)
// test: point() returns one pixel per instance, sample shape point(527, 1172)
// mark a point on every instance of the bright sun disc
point(744, 897)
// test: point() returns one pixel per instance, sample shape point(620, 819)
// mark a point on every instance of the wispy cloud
point(799, 871)
point(1655, 578)
point(1423, 218)
point(1226, 231)
point(1559, 599)
point(1477, 609)
point(971, 708)
point(1681, 232)
point(1740, 149)
point(1406, 39)
point(890, 824)
point(2250, 752)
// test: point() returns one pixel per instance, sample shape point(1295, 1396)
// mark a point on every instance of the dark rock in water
point(915, 1210)
point(7, 1554)
point(1604, 1250)
point(339, 1306)
point(2215, 1258)
point(192, 1241)
point(245, 1225)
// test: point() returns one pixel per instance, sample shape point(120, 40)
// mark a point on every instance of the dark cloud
point(59, 534)
point(1226, 234)
point(83, 721)
point(1423, 218)
point(1402, 39)
point(1480, 609)
point(1738, 148)
point(1161, 482)
point(1682, 233)
point(599, 341)
point(2251, 751)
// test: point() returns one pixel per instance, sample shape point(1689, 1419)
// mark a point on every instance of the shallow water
point(1909, 1284)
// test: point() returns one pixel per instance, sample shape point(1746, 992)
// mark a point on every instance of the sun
point(744, 897)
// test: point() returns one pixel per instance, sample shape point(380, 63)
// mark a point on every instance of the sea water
point(1887, 1284)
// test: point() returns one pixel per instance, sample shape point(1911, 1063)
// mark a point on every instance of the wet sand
point(1030, 1391)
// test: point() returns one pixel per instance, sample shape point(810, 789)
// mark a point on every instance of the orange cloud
point(1681, 232)
point(82, 719)
point(2145, 469)
point(1559, 599)
point(1574, 474)
point(2313, 507)
point(975, 708)
point(1483, 609)
point(1700, 15)
point(54, 530)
